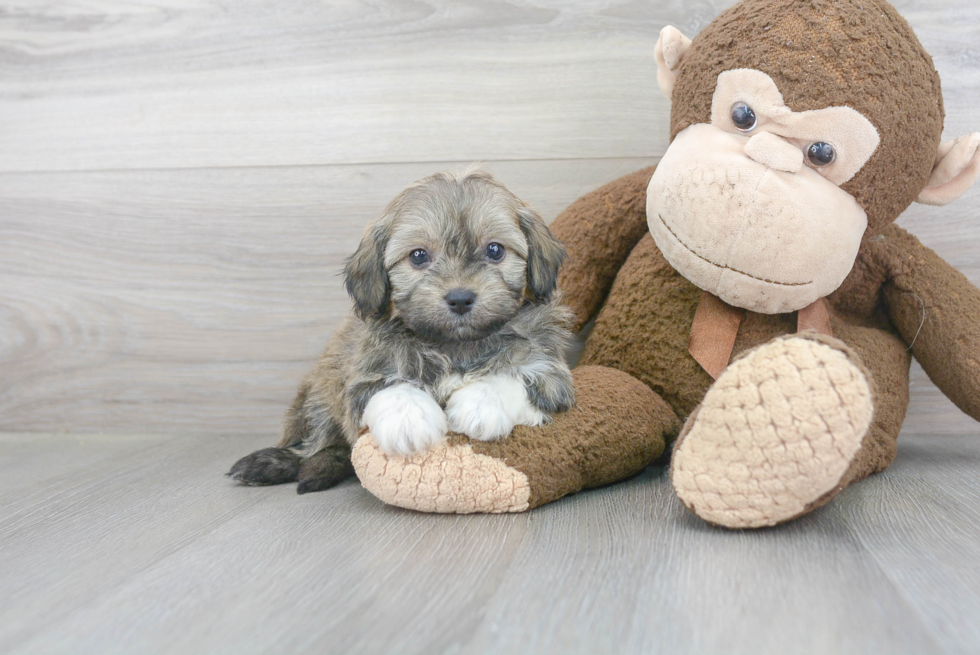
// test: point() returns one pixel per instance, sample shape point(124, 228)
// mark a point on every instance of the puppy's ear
point(544, 257)
point(365, 276)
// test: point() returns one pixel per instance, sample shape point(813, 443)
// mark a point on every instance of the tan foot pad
point(775, 435)
point(450, 479)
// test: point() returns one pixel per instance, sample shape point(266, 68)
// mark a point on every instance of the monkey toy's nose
point(460, 300)
point(775, 152)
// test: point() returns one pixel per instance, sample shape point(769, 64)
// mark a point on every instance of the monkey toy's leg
point(617, 428)
point(791, 423)
point(328, 464)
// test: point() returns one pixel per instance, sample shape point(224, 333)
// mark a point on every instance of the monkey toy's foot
point(776, 435)
point(617, 427)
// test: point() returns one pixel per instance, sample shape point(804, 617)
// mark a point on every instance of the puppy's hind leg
point(266, 466)
point(280, 464)
point(320, 442)
point(325, 468)
point(312, 450)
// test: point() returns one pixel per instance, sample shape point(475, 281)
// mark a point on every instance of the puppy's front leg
point(404, 420)
point(488, 409)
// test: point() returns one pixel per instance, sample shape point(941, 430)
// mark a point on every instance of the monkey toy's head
point(799, 128)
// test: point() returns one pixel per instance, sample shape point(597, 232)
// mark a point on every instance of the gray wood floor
point(138, 544)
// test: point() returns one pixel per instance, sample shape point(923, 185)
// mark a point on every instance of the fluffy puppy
point(455, 327)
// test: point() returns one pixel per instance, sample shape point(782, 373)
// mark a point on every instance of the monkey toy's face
point(749, 206)
point(799, 129)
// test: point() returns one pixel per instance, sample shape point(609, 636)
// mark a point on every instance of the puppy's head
point(454, 257)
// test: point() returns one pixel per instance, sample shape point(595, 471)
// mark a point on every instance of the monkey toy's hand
point(617, 427)
point(404, 420)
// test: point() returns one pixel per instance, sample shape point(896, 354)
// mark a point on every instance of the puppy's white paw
point(489, 409)
point(404, 420)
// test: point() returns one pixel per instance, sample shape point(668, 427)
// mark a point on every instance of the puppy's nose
point(460, 300)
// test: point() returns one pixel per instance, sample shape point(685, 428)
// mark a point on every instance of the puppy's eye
point(821, 154)
point(743, 117)
point(419, 258)
point(495, 252)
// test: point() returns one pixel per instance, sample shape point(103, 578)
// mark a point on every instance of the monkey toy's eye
point(419, 258)
point(495, 252)
point(743, 117)
point(821, 154)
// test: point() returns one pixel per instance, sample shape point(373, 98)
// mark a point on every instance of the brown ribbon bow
point(716, 326)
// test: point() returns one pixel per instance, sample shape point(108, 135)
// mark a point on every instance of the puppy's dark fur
point(402, 331)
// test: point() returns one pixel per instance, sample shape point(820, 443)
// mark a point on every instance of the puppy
point(455, 327)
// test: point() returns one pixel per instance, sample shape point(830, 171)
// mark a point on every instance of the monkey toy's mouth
point(724, 267)
point(759, 238)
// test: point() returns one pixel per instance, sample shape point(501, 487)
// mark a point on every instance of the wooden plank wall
point(181, 179)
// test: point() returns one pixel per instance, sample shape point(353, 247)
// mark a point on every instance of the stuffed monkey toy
point(754, 304)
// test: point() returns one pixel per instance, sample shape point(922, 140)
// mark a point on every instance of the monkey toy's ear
point(669, 51)
point(957, 168)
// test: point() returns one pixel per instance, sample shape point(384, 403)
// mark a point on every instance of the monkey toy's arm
point(599, 230)
point(937, 312)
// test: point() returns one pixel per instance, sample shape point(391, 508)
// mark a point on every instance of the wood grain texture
point(176, 84)
point(120, 85)
point(914, 520)
point(151, 550)
point(170, 265)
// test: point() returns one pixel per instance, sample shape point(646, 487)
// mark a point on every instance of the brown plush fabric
point(937, 310)
point(856, 53)
point(617, 428)
point(601, 228)
point(643, 329)
point(887, 360)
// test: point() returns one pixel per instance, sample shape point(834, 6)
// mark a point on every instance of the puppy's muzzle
point(460, 301)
